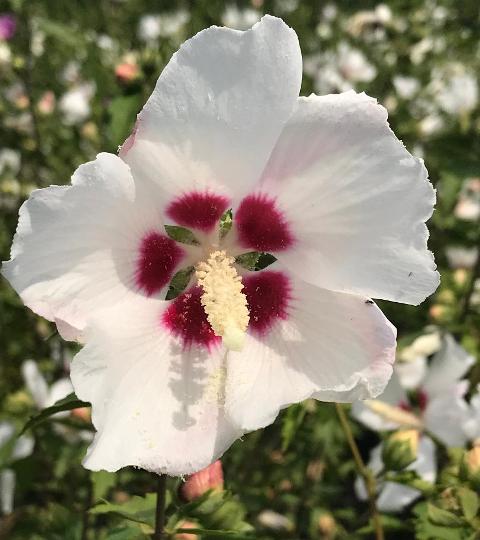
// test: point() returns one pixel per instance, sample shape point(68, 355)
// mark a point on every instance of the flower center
point(223, 300)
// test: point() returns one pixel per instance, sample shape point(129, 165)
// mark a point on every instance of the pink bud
point(200, 482)
point(126, 72)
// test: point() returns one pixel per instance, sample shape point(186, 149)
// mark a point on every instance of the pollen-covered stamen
point(223, 300)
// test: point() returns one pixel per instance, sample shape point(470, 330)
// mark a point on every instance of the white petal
point(356, 199)
point(59, 390)
point(35, 383)
point(331, 347)
point(7, 490)
point(23, 447)
point(446, 415)
point(218, 108)
point(411, 373)
point(75, 246)
point(154, 405)
point(393, 395)
point(395, 497)
point(472, 424)
point(447, 367)
point(426, 463)
point(7, 431)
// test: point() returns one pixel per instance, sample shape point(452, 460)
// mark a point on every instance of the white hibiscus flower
point(427, 397)
point(319, 182)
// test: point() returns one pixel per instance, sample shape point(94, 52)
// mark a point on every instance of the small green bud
point(400, 449)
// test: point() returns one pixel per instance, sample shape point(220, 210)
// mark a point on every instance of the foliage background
point(301, 466)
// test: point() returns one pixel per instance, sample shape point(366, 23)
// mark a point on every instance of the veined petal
point(321, 344)
point(155, 403)
point(80, 247)
point(217, 110)
point(355, 200)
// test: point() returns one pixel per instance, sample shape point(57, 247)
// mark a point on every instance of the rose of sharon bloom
point(321, 183)
point(202, 481)
point(8, 26)
point(426, 397)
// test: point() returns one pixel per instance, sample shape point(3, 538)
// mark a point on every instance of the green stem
point(364, 471)
point(160, 510)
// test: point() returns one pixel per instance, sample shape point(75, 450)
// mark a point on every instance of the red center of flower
point(198, 210)
point(268, 294)
point(186, 319)
point(157, 259)
point(261, 225)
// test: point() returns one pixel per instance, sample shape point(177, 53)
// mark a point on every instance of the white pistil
point(223, 300)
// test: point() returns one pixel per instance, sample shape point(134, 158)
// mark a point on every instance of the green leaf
point(123, 111)
point(179, 283)
point(136, 509)
point(181, 234)
point(217, 533)
point(443, 517)
point(248, 260)
point(469, 502)
point(292, 420)
point(226, 222)
point(68, 403)
point(102, 482)
point(131, 532)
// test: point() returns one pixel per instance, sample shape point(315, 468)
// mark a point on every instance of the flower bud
point(184, 535)
point(327, 526)
point(400, 449)
point(202, 481)
point(470, 468)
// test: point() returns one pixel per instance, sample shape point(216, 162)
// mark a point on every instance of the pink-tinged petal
point(210, 478)
point(446, 368)
point(155, 405)
point(186, 320)
point(158, 257)
point(260, 224)
point(355, 199)
point(393, 395)
point(268, 297)
point(198, 210)
point(217, 109)
point(76, 247)
point(327, 345)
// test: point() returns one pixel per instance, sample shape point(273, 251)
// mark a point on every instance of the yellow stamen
point(223, 300)
point(393, 414)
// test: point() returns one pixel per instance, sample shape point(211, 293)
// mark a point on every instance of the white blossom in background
point(468, 204)
point(406, 87)
point(240, 19)
point(461, 257)
point(75, 103)
point(22, 448)
point(42, 394)
point(153, 26)
point(10, 161)
point(173, 382)
point(423, 395)
point(70, 74)
point(5, 54)
point(370, 21)
point(454, 89)
point(339, 71)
